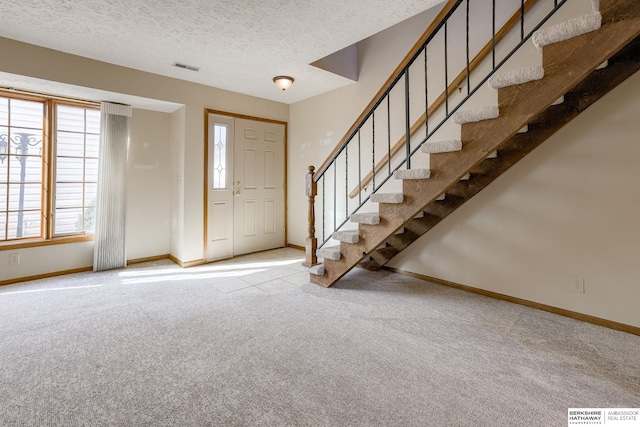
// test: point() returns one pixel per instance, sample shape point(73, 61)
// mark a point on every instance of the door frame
point(207, 112)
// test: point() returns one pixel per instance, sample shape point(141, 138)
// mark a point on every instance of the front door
point(246, 186)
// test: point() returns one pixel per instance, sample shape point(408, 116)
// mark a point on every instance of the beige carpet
point(251, 342)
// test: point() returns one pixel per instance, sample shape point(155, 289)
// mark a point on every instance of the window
point(219, 156)
point(48, 168)
point(77, 138)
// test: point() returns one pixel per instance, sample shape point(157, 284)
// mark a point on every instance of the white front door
point(246, 208)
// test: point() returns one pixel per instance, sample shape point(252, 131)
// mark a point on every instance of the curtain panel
point(110, 245)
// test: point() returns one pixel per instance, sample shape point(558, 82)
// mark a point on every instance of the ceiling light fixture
point(283, 82)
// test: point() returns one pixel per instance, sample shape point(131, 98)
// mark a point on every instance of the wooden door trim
point(207, 113)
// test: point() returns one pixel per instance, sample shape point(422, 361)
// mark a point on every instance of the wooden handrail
point(385, 87)
point(441, 99)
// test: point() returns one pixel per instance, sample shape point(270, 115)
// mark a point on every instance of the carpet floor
point(251, 342)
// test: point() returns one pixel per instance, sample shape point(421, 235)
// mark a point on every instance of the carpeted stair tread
point(567, 30)
point(442, 146)
point(330, 252)
point(412, 174)
point(348, 236)
point(475, 115)
point(369, 218)
point(387, 198)
point(516, 77)
point(317, 270)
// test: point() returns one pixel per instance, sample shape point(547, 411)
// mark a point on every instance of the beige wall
point(175, 140)
point(569, 209)
point(148, 189)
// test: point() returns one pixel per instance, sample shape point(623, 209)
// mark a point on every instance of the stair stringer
point(566, 64)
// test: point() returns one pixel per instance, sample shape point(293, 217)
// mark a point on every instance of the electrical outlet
point(14, 259)
point(577, 285)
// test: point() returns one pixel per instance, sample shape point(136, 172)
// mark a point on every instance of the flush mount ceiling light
point(283, 82)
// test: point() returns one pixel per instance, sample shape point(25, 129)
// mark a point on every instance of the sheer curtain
point(109, 244)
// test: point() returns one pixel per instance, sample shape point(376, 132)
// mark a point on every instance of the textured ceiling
point(240, 45)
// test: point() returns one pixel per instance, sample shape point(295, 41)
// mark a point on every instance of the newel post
point(312, 242)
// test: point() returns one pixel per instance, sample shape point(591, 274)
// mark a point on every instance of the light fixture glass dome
point(283, 82)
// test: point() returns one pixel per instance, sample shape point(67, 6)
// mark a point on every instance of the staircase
point(582, 60)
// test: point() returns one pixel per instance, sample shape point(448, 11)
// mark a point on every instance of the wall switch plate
point(577, 285)
point(14, 259)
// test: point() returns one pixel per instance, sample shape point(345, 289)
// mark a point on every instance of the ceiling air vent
point(185, 66)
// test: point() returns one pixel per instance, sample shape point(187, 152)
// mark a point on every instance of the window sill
point(34, 243)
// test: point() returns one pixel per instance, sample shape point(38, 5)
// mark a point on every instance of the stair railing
point(380, 124)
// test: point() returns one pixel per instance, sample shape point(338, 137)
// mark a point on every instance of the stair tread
point(516, 77)
point(317, 270)
point(346, 236)
point(412, 174)
point(370, 218)
point(442, 146)
point(387, 197)
point(329, 252)
point(475, 115)
point(567, 30)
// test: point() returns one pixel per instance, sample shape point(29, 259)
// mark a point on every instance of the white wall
point(180, 154)
point(566, 210)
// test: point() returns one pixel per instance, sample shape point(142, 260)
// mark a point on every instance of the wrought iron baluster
point(468, 70)
point(446, 73)
point(335, 196)
point(373, 152)
point(346, 180)
point(324, 227)
point(521, 19)
point(408, 119)
point(426, 92)
point(359, 172)
point(493, 35)
point(389, 132)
